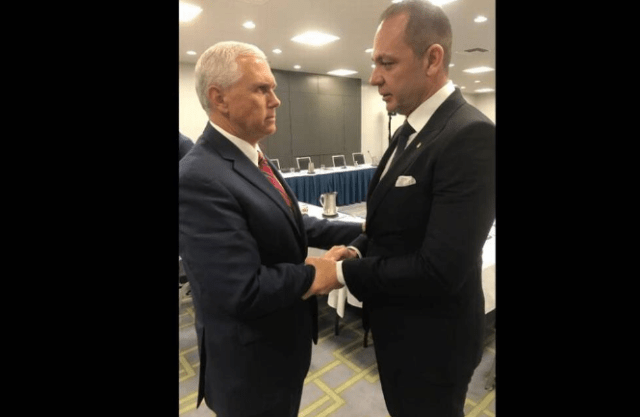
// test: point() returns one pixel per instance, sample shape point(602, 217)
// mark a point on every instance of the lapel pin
point(418, 145)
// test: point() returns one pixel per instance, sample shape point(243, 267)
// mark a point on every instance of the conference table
point(339, 298)
point(350, 182)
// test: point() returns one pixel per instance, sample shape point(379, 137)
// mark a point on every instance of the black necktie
point(405, 131)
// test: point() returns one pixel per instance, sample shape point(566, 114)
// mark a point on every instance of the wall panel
point(320, 116)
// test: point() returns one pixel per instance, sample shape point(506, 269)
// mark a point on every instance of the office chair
point(183, 284)
point(303, 162)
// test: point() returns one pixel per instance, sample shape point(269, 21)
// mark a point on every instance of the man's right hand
point(325, 280)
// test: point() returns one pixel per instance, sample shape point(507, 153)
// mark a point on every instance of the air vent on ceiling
point(476, 50)
point(256, 2)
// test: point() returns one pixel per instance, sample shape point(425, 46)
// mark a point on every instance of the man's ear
point(217, 101)
point(432, 59)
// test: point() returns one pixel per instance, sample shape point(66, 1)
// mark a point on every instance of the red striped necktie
point(268, 173)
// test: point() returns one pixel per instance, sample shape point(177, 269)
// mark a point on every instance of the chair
point(338, 161)
point(358, 158)
point(276, 162)
point(303, 162)
point(183, 284)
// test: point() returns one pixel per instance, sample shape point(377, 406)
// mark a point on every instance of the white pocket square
point(405, 181)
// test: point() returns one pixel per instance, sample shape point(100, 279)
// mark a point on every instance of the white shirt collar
point(421, 115)
point(248, 149)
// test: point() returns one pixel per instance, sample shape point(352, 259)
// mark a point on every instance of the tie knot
point(261, 159)
point(406, 129)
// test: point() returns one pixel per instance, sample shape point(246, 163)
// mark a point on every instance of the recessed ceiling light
point(341, 72)
point(436, 2)
point(452, 65)
point(476, 81)
point(188, 12)
point(480, 19)
point(297, 66)
point(314, 38)
point(484, 90)
point(369, 50)
point(478, 70)
point(249, 25)
point(191, 53)
point(277, 51)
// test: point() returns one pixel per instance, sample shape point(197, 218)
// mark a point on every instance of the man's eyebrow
point(266, 84)
point(381, 57)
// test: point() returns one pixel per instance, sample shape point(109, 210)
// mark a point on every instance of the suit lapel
point(428, 134)
point(252, 174)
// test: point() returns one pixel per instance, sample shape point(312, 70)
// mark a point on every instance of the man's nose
point(376, 78)
point(274, 100)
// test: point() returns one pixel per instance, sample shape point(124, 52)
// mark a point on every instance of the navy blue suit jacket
point(243, 251)
point(420, 279)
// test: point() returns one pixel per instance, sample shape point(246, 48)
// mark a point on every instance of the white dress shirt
point(421, 115)
point(417, 119)
point(246, 148)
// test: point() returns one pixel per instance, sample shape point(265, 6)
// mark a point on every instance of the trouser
point(410, 387)
point(406, 399)
point(284, 409)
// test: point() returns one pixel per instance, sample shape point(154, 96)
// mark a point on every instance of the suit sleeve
point(461, 214)
point(324, 234)
point(223, 255)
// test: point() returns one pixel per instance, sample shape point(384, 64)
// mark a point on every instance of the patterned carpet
point(343, 379)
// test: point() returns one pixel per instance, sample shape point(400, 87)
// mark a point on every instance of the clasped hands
point(326, 278)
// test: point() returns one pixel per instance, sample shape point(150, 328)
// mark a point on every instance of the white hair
point(217, 65)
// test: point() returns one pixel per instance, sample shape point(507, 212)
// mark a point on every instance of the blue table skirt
point(351, 186)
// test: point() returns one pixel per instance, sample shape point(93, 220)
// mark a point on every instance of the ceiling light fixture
point(441, 2)
point(484, 90)
point(188, 12)
point(249, 25)
point(342, 72)
point(191, 53)
point(297, 66)
point(314, 38)
point(436, 2)
point(277, 51)
point(478, 70)
point(480, 19)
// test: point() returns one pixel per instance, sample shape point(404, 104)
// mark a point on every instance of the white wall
point(375, 119)
point(485, 102)
point(375, 123)
point(193, 118)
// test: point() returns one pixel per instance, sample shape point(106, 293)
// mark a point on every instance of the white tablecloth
point(338, 298)
point(329, 170)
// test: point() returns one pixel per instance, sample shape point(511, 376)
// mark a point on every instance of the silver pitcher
point(328, 203)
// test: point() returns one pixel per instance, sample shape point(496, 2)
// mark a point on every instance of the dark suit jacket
point(243, 251)
point(420, 279)
point(184, 145)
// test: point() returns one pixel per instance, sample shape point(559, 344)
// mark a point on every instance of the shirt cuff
point(339, 273)
point(357, 251)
